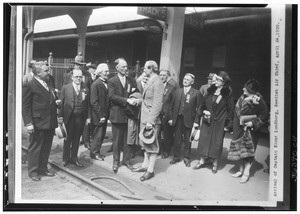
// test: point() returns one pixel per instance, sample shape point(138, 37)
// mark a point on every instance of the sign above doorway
point(159, 13)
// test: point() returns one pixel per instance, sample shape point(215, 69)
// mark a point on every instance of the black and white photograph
point(141, 105)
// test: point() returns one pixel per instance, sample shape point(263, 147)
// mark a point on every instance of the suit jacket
point(118, 98)
point(67, 101)
point(152, 101)
point(168, 91)
point(99, 101)
point(39, 107)
point(89, 80)
point(190, 110)
point(139, 86)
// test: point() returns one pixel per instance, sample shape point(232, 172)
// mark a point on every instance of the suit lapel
point(102, 85)
point(42, 88)
point(119, 81)
point(148, 85)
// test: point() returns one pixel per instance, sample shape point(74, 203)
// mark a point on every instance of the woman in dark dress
point(217, 108)
point(251, 102)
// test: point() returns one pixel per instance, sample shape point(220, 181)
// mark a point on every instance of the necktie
point(77, 89)
point(105, 83)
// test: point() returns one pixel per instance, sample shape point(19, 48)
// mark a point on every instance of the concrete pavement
point(182, 183)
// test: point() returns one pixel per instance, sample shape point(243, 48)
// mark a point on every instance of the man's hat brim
point(147, 140)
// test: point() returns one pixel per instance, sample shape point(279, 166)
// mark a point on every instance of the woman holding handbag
point(216, 108)
point(251, 113)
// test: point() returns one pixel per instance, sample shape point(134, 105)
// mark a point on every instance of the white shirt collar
point(187, 89)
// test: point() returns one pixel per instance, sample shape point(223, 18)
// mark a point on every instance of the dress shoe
point(97, 157)
point(187, 162)
point(244, 179)
point(237, 174)
point(199, 166)
point(35, 178)
point(139, 169)
point(165, 155)
point(175, 160)
point(76, 163)
point(65, 163)
point(214, 169)
point(48, 174)
point(130, 167)
point(115, 168)
point(147, 176)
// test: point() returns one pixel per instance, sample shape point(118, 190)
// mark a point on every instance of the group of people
point(139, 109)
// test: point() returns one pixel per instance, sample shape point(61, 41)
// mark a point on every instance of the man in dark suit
point(184, 115)
point(100, 110)
point(40, 119)
point(168, 132)
point(74, 112)
point(119, 88)
point(90, 77)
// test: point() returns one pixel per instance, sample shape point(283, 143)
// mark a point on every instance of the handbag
point(246, 118)
point(242, 147)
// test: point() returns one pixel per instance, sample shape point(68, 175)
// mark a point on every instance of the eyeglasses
point(78, 77)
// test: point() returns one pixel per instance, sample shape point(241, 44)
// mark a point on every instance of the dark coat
point(260, 110)
point(190, 111)
point(67, 102)
point(39, 107)
point(99, 101)
point(88, 80)
point(168, 91)
point(118, 96)
point(212, 135)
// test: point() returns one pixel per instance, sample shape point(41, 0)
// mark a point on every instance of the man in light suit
point(40, 119)
point(119, 88)
point(100, 110)
point(184, 115)
point(74, 112)
point(168, 132)
point(151, 107)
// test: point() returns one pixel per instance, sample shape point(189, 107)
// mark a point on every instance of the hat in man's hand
point(195, 133)
point(61, 131)
point(147, 135)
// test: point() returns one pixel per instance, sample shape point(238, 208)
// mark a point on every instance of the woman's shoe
point(237, 174)
point(244, 179)
point(198, 166)
point(147, 176)
point(214, 169)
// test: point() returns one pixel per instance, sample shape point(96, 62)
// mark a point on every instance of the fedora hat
point(61, 131)
point(147, 135)
point(79, 59)
point(195, 133)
